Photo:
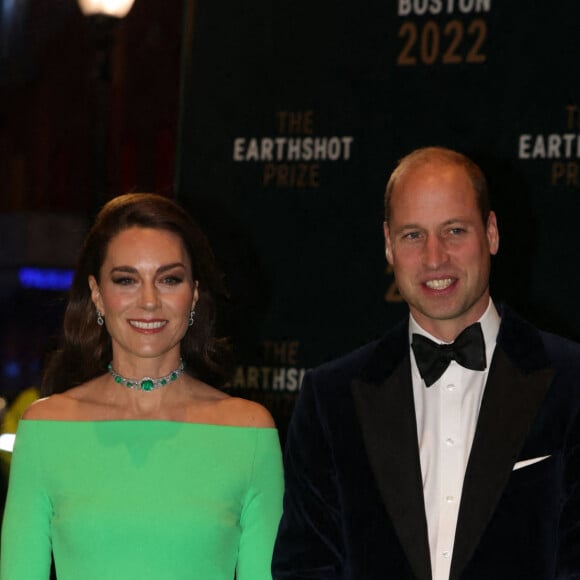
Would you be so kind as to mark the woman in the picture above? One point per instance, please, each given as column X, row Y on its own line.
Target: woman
column 136, row 468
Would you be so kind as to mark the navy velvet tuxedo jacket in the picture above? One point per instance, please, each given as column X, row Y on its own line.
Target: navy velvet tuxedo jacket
column 354, row 509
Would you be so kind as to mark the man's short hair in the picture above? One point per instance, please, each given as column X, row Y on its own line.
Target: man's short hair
column 426, row 155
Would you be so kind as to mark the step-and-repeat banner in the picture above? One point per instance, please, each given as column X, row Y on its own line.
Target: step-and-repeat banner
column 294, row 113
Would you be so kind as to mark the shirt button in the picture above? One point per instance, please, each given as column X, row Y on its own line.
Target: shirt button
column 449, row 499
column 449, row 442
column 445, row 554
column 450, row 388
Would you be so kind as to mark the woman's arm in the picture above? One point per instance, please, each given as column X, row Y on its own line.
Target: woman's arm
column 26, row 541
column 262, row 509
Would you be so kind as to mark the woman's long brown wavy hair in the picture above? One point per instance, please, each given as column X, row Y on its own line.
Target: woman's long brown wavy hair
column 86, row 347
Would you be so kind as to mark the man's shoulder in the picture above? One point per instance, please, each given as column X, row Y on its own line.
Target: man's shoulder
column 560, row 348
column 369, row 362
column 350, row 363
column 533, row 347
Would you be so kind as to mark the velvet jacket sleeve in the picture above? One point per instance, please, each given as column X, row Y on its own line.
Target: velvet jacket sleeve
column 26, row 540
column 564, row 412
column 309, row 543
column 262, row 509
column 569, row 553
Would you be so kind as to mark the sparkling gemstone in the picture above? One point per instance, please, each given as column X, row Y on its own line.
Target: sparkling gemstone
column 174, row 375
column 163, row 382
column 146, row 384
column 118, row 380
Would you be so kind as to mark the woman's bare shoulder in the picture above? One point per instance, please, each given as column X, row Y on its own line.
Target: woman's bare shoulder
column 245, row 413
column 58, row 407
column 52, row 408
column 211, row 405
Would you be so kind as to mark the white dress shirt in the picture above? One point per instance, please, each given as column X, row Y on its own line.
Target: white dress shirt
column 446, row 415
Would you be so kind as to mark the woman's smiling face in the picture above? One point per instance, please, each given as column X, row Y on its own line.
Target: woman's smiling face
column 145, row 293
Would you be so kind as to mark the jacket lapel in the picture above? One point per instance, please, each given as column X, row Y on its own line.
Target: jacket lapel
column 517, row 384
column 386, row 413
column 518, row 380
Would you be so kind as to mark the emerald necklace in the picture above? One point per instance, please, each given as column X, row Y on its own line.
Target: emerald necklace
column 147, row 383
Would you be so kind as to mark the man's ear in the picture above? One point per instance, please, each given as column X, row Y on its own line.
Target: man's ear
column 492, row 233
column 388, row 245
column 96, row 294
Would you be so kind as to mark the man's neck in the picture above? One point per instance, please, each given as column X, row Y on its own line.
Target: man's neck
column 448, row 330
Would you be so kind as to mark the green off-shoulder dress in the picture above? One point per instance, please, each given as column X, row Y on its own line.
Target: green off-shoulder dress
column 141, row 500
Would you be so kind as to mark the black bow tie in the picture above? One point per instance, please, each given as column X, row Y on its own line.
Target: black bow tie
column 433, row 359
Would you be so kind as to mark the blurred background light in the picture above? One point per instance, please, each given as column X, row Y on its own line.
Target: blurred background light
column 7, row 442
column 116, row 8
column 45, row 278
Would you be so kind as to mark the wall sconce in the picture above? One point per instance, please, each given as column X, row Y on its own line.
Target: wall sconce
column 115, row 8
column 103, row 18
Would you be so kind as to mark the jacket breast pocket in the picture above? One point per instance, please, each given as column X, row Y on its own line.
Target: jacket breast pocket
column 544, row 471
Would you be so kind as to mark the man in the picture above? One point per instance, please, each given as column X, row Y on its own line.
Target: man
column 409, row 460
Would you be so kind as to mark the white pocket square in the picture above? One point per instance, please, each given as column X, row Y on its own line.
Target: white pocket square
column 527, row 462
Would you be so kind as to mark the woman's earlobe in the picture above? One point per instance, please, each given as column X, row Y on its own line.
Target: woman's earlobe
column 95, row 293
column 195, row 294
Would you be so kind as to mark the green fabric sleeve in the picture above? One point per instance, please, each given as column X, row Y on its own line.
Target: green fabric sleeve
column 262, row 509
column 26, row 543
